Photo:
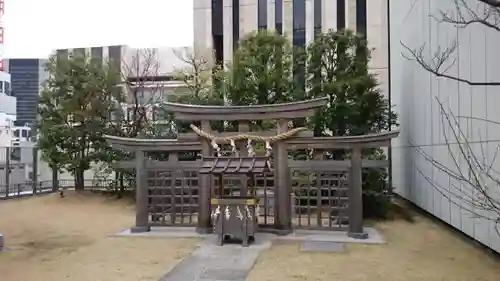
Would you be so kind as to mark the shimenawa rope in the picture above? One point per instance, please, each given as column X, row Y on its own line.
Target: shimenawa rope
column 271, row 139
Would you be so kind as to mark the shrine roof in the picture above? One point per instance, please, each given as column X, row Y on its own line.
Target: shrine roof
column 234, row 165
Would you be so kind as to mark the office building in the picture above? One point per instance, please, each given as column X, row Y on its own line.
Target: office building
column 7, row 101
column 219, row 24
column 27, row 76
column 150, row 72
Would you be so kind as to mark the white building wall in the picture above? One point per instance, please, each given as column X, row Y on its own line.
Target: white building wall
column 7, row 102
column 328, row 15
column 309, row 21
column 271, row 10
column 7, row 111
column 228, row 30
column 154, row 61
column 350, row 6
column 288, row 19
column 8, row 105
column 416, row 93
column 202, row 17
column 248, row 17
column 377, row 36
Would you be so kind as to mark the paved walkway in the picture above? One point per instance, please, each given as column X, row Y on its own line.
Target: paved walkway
column 232, row 262
column 210, row 262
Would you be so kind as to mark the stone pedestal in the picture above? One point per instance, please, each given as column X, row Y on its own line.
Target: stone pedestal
column 235, row 218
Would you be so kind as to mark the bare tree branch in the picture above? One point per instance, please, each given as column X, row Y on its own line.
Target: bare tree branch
column 478, row 189
column 141, row 91
column 465, row 15
column 486, row 13
column 197, row 74
column 474, row 182
column 493, row 3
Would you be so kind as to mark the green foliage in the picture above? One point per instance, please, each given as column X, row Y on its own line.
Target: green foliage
column 376, row 191
column 337, row 68
column 74, row 109
column 79, row 95
column 267, row 70
column 261, row 72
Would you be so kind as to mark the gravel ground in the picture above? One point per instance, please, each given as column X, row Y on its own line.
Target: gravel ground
column 423, row 251
column 49, row 238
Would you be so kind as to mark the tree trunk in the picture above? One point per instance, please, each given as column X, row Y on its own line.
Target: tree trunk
column 79, row 182
column 121, row 186
column 55, row 179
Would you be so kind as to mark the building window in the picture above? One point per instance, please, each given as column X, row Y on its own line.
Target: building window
column 115, row 56
column 236, row 23
column 7, row 88
column 96, row 54
column 219, row 49
column 317, row 16
column 218, row 30
column 361, row 17
column 278, row 16
column 299, row 41
column 299, row 23
column 15, row 154
column 340, row 14
column 25, row 85
column 262, row 14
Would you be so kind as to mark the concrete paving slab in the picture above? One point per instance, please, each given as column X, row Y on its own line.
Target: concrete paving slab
column 224, row 274
column 322, row 246
column 169, row 231
column 374, row 237
column 232, row 262
column 262, row 240
column 211, row 262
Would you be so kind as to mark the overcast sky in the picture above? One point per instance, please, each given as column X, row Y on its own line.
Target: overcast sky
column 35, row 27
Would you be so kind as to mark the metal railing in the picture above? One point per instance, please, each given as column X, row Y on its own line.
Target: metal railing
column 22, row 173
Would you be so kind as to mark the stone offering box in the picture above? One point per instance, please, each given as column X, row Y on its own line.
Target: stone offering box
column 235, row 216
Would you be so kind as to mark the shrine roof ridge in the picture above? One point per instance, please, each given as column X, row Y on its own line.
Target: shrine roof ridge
column 297, row 109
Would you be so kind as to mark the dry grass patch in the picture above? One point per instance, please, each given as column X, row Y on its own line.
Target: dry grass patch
column 49, row 238
column 422, row 251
